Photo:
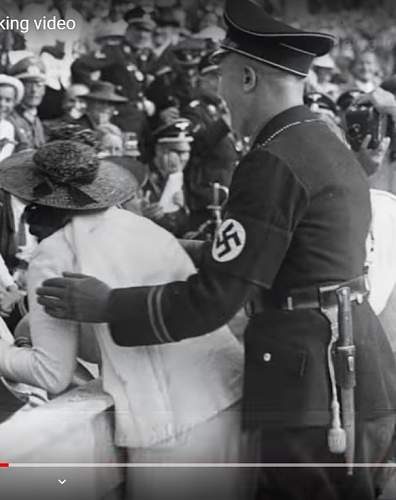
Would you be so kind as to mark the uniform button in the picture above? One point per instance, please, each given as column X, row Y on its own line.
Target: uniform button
column 267, row 357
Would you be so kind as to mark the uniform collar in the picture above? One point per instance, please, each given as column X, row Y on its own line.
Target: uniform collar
column 283, row 119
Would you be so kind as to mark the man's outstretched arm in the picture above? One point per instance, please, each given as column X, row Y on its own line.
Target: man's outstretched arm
column 148, row 315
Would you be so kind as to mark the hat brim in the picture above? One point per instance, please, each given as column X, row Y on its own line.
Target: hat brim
column 105, row 98
column 29, row 76
column 112, row 185
column 218, row 55
column 134, row 167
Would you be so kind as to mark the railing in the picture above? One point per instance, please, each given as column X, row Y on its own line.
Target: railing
column 75, row 428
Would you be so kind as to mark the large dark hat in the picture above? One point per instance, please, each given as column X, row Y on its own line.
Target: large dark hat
column 68, row 175
column 253, row 33
column 105, row 91
column 136, row 168
column 141, row 17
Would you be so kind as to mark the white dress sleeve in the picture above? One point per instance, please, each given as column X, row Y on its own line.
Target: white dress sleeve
column 51, row 362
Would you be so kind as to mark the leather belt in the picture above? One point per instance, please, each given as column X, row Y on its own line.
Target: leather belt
column 314, row 297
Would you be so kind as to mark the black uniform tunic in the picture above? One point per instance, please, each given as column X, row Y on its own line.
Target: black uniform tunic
column 298, row 215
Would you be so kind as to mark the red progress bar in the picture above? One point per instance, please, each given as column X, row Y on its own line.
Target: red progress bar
column 4, row 464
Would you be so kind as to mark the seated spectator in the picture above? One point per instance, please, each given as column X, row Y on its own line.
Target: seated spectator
column 74, row 106
column 102, row 103
column 28, row 127
column 164, row 200
column 11, row 94
column 111, row 141
column 325, row 70
column 366, row 73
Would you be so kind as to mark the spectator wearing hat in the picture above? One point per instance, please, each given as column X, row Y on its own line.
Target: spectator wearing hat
column 28, row 127
column 164, row 191
column 101, row 105
column 171, row 404
column 175, row 83
column 325, row 70
column 213, row 154
column 11, row 94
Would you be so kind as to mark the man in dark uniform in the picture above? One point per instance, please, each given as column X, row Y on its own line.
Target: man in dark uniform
column 297, row 220
column 164, row 191
column 123, row 61
column 214, row 155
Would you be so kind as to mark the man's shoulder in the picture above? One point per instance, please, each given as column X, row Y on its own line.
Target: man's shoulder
column 262, row 164
column 317, row 156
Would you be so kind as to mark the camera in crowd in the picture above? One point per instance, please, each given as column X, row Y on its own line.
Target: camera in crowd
column 363, row 120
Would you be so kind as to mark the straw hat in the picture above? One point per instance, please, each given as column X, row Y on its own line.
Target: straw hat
column 68, row 175
column 13, row 82
column 139, row 170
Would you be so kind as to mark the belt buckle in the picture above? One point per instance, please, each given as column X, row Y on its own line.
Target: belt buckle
column 327, row 296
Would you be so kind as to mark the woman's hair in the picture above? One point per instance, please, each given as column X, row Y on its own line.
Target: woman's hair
column 43, row 221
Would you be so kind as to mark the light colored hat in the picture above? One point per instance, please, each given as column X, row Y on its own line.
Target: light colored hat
column 13, row 82
column 325, row 61
column 29, row 68
column 68, row 175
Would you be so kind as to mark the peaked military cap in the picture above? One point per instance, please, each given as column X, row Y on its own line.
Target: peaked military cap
column 348, row 98
column 207, row 65
column 178, row 131
column 141, row 17
column 253, row 33
column 318, row 102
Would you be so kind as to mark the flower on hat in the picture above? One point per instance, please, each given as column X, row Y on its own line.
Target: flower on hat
column 67, row 162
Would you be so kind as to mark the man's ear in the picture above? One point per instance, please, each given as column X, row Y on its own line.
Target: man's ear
column 249, row 79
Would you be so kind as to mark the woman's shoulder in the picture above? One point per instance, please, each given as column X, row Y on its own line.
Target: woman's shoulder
column 54, row 249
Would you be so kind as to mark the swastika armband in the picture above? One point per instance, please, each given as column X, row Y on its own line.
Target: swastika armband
column 229, row 242
column 250, row 249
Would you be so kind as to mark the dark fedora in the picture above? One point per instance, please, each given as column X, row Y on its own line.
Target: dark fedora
column 106, row 92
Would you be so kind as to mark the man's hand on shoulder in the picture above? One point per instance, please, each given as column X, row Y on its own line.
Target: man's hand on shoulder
column 75, row 297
